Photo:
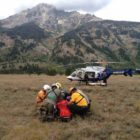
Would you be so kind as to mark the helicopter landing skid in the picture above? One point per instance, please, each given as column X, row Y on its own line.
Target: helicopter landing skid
column 98, row 84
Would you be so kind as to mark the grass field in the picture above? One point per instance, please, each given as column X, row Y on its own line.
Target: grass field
column 115, row 110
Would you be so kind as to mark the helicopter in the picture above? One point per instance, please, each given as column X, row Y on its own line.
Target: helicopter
column 98, row 75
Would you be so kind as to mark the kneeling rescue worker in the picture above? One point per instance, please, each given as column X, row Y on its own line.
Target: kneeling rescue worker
column 61, row 93
column 79, row 103
column 57, row 88
column 41, row 95
column 49, row 105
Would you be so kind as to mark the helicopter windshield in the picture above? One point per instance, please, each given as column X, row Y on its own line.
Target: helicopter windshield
column 73, row 74
column 79, row 74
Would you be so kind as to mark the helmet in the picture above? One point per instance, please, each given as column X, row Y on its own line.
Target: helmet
column 71, row 89
column 58, row 85
column 47, row 88
column 54, row 85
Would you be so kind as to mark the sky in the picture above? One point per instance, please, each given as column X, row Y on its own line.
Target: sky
column 126, row 10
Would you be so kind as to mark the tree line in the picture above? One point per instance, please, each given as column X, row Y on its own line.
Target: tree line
column 34, row 69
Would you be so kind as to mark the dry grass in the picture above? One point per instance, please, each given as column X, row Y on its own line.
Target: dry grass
column 115, row 110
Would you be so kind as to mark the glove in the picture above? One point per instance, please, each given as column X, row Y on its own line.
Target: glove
column 68, row 98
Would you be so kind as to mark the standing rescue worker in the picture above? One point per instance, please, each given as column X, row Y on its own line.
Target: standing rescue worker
column 86, row 78
column 79, row 102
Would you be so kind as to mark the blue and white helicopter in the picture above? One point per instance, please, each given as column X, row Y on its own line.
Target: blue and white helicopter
column 98, row 75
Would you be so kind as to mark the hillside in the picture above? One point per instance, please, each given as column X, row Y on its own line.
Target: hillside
column 100, row 40
column 45, row 34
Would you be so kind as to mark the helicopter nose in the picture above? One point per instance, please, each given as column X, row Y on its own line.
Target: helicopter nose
column 69, row 77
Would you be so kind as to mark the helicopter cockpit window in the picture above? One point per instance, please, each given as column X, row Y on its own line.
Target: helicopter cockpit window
column 79, row 74
column 73, row 74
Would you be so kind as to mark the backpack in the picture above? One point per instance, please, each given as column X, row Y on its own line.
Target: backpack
column 64, row 113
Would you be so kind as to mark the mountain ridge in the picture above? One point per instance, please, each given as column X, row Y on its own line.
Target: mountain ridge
column 48, row 17
column 45, row 34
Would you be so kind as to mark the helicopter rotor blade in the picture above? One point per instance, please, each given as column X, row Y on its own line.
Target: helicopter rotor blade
column 96, row 62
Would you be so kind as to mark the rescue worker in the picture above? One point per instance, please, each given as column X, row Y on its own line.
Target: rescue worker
column 104, row 75
column 41, row 95
column 86, row 78
column 57, row 85
column 63, row 113
column 79, row 103
column 48, row 107
column 60, row 93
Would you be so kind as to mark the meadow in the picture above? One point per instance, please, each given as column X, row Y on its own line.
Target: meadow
column 115, row 110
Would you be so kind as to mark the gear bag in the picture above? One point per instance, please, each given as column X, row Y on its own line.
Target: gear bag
column 63, row 111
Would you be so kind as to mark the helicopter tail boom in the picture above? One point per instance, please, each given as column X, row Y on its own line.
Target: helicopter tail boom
column 126, row 72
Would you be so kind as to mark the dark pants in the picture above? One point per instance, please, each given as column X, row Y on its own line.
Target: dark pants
column 47, row 112
column 80, row 110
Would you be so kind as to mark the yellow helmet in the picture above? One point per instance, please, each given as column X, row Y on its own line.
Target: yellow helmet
column 58, row 85
column 71, row 89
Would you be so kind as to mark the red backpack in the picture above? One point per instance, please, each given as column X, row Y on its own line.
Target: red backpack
column 64, row 112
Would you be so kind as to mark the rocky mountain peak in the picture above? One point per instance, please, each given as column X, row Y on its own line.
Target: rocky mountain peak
column 48, row 17
column 44, row 5
column 43, row 8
